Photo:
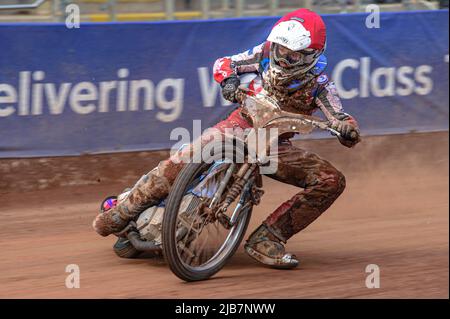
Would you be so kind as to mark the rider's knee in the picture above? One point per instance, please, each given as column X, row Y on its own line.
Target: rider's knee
column 336, row 182
column 341, row 182
column 331, row 180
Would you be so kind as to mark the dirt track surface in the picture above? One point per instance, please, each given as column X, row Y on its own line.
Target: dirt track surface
column 394, row 213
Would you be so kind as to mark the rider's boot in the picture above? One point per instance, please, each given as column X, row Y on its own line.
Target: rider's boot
column 265, row 246
column 148, row 191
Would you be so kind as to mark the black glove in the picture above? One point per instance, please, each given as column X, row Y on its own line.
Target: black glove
column 229, row 88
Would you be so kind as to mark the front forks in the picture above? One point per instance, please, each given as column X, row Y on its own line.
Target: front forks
column 244, row 185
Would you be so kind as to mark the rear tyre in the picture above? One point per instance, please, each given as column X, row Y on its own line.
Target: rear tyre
column 124, row 249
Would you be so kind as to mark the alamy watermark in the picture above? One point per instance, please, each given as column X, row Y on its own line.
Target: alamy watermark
column 73, row 16
column 73, row 279
column 373, row 279
column 373, row 19
column 240, row 145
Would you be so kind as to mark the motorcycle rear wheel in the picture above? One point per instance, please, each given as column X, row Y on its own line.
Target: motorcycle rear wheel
column 124, row 249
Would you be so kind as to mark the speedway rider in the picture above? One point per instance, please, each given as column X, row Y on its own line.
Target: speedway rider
column 290, row 66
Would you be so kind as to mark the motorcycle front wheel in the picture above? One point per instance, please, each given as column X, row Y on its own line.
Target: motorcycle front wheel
column 194, row 247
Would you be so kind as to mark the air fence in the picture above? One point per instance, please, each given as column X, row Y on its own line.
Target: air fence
column 114, row 87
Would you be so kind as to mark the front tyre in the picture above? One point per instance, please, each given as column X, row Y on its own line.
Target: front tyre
column 185, row 262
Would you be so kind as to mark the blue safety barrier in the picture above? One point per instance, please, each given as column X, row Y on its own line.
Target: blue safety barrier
column 125, row 86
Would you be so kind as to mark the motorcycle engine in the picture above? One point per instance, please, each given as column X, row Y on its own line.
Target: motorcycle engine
column 149, row 224
column 150, row 221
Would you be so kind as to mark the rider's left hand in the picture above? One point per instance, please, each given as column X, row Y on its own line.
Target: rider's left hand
column 350, row 134
column 229, row 88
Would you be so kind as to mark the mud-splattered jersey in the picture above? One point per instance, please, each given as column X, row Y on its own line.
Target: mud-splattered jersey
column 317, row 92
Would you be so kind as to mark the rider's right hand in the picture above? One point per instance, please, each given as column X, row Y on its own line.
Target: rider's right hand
column 229, row 88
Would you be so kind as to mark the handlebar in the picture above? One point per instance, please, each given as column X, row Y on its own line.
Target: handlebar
column 333, row 131
column 242, row 93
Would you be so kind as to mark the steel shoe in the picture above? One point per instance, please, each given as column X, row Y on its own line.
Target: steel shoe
column 264, row 246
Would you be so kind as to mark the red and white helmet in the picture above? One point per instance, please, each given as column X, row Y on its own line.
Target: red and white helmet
column 296, row 43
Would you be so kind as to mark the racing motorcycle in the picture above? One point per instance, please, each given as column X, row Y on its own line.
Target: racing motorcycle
column 202, row 222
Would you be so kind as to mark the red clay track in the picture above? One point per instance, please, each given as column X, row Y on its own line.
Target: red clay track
column 394, row 213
